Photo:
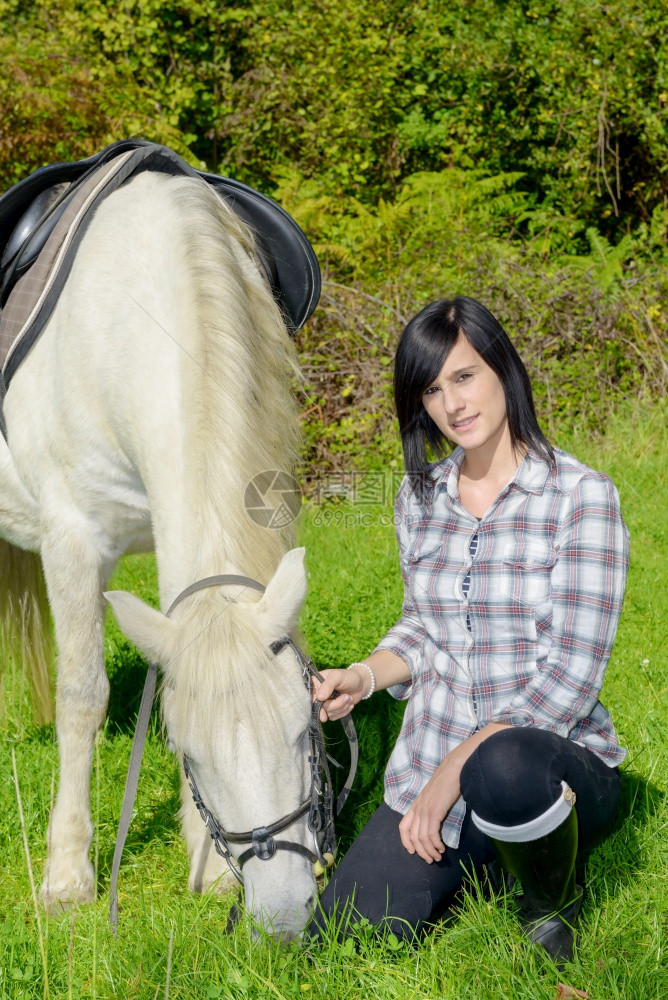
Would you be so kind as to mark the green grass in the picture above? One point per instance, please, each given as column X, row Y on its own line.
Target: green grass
column 171, row 943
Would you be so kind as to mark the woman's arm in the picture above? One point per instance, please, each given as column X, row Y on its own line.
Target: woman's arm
column 587, row 589
column 420, row 829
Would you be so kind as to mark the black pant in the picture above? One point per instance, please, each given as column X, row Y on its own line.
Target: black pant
column 511, row 778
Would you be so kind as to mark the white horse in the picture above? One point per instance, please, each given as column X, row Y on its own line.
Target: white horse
column 159, row 389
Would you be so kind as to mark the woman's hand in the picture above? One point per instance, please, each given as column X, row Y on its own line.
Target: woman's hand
column 379, row 670
column 349, row 685
column 420, row 829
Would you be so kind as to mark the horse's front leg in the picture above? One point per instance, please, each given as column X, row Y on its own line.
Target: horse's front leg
column 75, row 573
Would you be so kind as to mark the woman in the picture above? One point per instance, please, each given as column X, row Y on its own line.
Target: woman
column 514, row 558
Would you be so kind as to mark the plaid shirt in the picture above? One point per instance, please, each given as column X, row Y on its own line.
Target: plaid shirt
column 528, row 640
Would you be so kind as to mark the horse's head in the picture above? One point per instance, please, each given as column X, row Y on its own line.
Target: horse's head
column 238, row 712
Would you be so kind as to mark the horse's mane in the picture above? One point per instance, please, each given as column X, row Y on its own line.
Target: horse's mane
column 242, row 420
column 239, row 395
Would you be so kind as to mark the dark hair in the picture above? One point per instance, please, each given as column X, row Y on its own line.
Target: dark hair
column 423, row 347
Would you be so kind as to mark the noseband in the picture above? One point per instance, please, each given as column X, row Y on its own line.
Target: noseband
column 320, row 805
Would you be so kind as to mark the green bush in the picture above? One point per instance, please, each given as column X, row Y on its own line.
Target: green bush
column 513, row 152
column 590, row 327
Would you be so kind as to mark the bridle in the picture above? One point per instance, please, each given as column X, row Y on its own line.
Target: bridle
column 319, row 806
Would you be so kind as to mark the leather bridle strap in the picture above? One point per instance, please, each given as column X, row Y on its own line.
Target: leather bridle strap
column 261, row 838
column 130, row 791
column 321, row 818
column 139, row 739
column 351, row 734
column 222, row 579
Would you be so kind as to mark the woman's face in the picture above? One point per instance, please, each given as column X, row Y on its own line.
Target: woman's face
column 466, row 401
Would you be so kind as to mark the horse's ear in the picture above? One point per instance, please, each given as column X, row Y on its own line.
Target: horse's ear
column 286, row 591
column 150, row 630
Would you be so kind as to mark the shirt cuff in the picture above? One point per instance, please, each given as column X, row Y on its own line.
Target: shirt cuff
column 408, row 648
column 514, row 717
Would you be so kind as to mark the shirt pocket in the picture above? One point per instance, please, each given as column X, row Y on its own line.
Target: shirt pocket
column 424, row 566
column 424, row 548
column 527, row 573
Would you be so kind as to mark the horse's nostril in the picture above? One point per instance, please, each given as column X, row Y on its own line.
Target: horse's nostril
column 232, row 919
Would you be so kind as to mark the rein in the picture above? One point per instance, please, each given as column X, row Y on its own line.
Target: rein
column 319, row 806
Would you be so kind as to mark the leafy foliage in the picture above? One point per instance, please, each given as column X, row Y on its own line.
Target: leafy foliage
column 511, row 151
column 572, row 94
column 589, row 326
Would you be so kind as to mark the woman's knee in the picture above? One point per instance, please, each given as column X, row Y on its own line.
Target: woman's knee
column 513, row 775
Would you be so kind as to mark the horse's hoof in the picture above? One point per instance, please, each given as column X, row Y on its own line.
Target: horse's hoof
column 59, row 900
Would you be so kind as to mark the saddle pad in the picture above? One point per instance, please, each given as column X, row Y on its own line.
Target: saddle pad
column 34, row 296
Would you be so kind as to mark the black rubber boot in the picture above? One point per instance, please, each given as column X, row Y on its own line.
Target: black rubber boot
column 551, row 900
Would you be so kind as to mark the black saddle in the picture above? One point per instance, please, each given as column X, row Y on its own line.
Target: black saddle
column 30, row 210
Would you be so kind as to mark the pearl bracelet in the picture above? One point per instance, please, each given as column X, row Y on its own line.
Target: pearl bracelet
column 371, row 675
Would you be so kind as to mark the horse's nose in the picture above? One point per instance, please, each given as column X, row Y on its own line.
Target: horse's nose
column 285, row 930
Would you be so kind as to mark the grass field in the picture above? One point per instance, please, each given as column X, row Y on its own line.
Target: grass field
column 173, row 944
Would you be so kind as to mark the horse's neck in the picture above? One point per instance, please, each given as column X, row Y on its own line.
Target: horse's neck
column 202, row 524
column 200, row 537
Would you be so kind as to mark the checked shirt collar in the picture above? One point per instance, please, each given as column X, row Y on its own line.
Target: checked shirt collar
column 531, row 475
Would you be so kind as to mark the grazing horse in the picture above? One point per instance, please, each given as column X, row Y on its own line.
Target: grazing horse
column 159, row 388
